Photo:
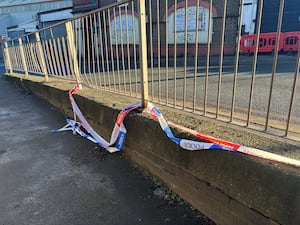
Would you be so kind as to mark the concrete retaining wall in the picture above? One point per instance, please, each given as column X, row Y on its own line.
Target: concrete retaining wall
column 230, row 188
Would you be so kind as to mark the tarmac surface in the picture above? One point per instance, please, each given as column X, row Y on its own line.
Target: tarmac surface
column 59, row 178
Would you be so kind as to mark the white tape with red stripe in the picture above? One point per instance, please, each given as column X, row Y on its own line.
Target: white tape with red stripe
column 83, row 128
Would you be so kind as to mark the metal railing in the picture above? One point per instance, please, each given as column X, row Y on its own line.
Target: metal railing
column 186, row 52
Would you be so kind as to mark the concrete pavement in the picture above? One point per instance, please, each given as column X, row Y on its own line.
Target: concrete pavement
column 48, row 178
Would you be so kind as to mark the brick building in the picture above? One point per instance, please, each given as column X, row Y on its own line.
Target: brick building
column 158, row 12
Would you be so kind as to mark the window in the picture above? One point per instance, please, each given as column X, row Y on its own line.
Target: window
column 272, row 41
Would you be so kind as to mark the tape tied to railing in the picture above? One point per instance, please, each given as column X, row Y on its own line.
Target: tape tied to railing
column 83, row 128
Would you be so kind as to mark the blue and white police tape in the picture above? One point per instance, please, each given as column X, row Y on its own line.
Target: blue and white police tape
column 183, row 143
column 84, row 129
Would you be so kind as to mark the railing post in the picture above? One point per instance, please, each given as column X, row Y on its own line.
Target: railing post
column 143, row 53
column 72, row 49
column 23, row 57
column 7, row 58
column 41, row 54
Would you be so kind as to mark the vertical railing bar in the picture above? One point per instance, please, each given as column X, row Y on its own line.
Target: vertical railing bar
column 175, row 54
column 167, row 55
column 111, row 53
column 49, row 58
column 151, row 48
column 86, row 60
column 207, row 57
column 84, row 33
column 33, row 56
column 72, row 50
column 99, row 37
column 237, row 56
column 88, row 36
column 293, row 93
column 196, row 57
column 27, row 58
column 117, row 50
column 56, row 56
column 8, row 58
column 158, row 50
column 11, row 52
column 134, row 50
column 92, row 33
column 76, row 69
column 53, row 57
column 61, row 57
column 106, row 51
column 185, row 52
column 78, row 50
column 41, row 55
column 25, row 68
column 16, row 57
column 79, row 44
column 13, row 55
column 122, row 49
column 128, row 50
column 25, row 53
column 275, row 60
column 95, row 49
column 255, row 60
column 85, row 49
column 21, row 66
column 221, row 58
column 65, row 56
column 97, row 28
column 143, row 54
column 37, row 67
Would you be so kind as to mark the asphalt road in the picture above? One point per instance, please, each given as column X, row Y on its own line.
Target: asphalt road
column 48, row 178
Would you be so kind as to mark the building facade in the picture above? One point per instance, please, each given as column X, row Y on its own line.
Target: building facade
column 20, row 16
column 159, row 14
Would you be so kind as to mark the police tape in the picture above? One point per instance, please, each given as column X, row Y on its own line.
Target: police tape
column 183, row 143
column 240, row 148
column 83, row 128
